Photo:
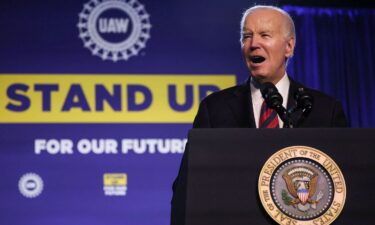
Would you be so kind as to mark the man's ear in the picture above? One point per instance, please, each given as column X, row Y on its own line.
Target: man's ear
column 289, row 48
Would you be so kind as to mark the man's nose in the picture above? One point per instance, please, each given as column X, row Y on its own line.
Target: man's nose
column 255, row 43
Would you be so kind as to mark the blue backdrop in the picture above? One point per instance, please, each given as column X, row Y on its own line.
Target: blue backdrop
column 335, row 53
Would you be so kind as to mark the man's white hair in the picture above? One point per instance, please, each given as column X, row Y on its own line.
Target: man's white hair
column 290, row 31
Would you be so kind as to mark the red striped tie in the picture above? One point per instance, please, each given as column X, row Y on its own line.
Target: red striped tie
column 268, row 117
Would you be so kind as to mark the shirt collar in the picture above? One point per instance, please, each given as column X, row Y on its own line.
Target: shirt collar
column 282, row 86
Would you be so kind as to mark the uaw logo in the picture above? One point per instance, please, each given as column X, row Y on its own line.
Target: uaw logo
column 30, row 185
column 301, row 185
column 115, row 184
column 114, row 29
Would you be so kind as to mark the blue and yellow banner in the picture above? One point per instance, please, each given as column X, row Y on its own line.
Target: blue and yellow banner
column 93, row 98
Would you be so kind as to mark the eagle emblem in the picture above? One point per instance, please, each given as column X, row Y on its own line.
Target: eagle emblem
column 301, row 183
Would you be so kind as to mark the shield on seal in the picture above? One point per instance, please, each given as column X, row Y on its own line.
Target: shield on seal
column 303, row 195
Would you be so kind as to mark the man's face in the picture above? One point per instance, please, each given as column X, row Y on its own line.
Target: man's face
column 265, row 45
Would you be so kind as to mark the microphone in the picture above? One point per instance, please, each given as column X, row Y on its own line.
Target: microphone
column 271, row 95
column 304, row 99
column 274, row 100
column 304, row 102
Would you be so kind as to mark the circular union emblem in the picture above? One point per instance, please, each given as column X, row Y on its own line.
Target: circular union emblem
column 30, row 185
column 114, row 29
column 301, row 185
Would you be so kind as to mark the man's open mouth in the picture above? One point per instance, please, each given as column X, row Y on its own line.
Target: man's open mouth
column 257, row 59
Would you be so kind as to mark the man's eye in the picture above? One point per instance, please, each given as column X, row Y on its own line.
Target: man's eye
column 247, row 36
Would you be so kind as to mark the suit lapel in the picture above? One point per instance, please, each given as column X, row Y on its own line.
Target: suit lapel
column 291, row 102
column 242, row 107
column 292, row 89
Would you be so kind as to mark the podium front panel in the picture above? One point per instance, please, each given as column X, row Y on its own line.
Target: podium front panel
column 224, row 167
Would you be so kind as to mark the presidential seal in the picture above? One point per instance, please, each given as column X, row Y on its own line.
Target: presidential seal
column 114, row 29
column 301, row 185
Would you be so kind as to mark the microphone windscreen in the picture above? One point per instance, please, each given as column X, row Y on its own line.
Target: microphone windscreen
column 267, row 88
column 304, row 99
column 271, row 95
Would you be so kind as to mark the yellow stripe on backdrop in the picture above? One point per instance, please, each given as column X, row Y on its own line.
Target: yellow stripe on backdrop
column 101, row 98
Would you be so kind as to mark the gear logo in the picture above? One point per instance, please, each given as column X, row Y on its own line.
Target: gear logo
column 114, row 29
column 30, row 185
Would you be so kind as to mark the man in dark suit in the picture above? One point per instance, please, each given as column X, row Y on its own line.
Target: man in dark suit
column 268, row 40
column 233, row 107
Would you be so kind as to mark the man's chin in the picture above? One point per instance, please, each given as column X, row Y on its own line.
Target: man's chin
column 260, row 78
column 263, row 78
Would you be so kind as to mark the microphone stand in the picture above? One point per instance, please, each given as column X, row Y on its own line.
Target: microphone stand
column 284, row 116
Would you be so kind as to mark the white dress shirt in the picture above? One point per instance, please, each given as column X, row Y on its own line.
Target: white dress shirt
column 257, row 99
